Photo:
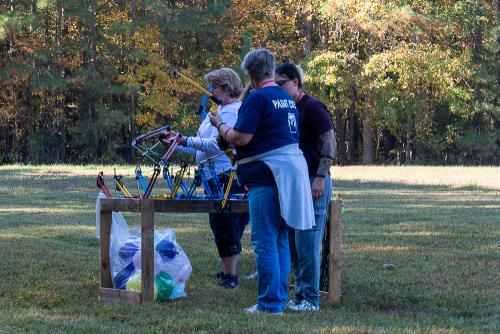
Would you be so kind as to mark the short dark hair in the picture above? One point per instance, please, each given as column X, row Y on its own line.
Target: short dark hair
column 290, row 71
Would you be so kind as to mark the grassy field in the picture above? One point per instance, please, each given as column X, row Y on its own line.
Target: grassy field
column 439, row 227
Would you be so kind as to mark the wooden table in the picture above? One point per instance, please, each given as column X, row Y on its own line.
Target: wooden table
column 148, row 207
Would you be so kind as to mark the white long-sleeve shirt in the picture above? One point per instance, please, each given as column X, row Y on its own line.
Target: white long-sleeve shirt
column 205, row 145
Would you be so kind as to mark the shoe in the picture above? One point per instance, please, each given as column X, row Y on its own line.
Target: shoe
column 218, row 276
column 229, row 282
column 292, row 303
column 255, row 310
column 252, row 276
column 304, row 306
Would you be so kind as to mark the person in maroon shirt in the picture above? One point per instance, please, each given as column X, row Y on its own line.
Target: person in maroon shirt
column 317, row 141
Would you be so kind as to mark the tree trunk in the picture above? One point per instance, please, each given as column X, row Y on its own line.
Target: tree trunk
column 92, row 116
column 307, row 25
column 61, row 97
column 389, row 142
column 133, row 94
column 477, row 45
column 408, row 148
column 9, row 142
column 477, row 35
column 340, row 130
column 46, row 26
column 30, row 100
column 32, row 12
column 368, row 137
column 353, row 130
column 11, row 32
column 339, row 121
column 30, row 106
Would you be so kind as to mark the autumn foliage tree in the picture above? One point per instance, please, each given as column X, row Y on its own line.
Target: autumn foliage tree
column 405, row 81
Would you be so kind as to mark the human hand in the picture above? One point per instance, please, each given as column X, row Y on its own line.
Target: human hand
column 166, row 138
column 182, row 139
column 214, row 119
column 169, row 138
column 318, row 187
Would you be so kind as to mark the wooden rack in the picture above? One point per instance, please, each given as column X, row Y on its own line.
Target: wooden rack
column 148, row 207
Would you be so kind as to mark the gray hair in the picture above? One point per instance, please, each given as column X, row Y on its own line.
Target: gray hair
column 226, row 78
column 259, row 64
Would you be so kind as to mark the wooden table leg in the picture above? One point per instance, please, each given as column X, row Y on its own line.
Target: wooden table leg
column 334, row 265
column 147, row 250
column 105, row 230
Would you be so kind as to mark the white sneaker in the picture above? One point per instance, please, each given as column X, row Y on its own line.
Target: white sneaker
column 304, row 306
column 292, row 303
column 255, row 310
column 252, row 276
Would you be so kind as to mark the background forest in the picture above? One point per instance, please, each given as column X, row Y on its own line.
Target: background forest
column 405, row 81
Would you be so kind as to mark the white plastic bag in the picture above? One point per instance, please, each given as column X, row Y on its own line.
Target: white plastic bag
column 171, row 265
column 119, row 226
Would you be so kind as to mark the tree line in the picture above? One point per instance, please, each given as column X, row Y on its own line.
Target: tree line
column 405, row 81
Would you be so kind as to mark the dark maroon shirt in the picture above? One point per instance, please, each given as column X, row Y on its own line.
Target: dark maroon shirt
column 314, row 119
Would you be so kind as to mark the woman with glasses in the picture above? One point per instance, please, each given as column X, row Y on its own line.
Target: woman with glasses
column 270, row 163
column 228, row 228
column 317, row 141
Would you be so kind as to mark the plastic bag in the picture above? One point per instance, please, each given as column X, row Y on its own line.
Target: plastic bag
column 171, row 265
column 119, row 226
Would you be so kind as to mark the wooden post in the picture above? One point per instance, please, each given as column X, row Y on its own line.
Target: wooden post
column 334, row 265
column 147, row 251
column 105, row 230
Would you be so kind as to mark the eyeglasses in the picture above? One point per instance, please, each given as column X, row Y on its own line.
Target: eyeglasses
column 282, row 82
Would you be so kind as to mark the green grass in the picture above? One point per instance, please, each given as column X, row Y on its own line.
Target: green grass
column 439, row 227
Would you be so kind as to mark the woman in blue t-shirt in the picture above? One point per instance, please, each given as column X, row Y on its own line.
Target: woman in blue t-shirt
column 270, row 163
column 317, row 141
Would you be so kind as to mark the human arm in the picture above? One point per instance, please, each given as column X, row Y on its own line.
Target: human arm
column 169, row 139
column 207, row 139
column 185, row 149
column 207, row 145
column 229, row 134
column 328, row 150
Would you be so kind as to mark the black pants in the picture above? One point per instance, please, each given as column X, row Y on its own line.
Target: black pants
column 228, row 228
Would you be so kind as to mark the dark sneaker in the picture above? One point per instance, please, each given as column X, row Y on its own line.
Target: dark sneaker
column 218, row 276
column 229, row 282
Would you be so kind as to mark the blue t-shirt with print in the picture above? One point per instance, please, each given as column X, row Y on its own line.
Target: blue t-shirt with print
column 270, row 114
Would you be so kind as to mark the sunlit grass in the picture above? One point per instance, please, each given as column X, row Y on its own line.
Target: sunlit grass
column 437, row 226
column 425, row 175
column 379, row 249
column 469, row 177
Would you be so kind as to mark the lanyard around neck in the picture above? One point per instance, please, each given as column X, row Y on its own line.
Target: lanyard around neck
column 264, row 83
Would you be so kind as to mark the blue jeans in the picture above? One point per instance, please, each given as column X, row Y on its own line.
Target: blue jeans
column 270, row 244
column 305, row 248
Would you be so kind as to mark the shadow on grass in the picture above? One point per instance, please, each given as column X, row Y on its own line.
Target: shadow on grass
column 431, row 234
